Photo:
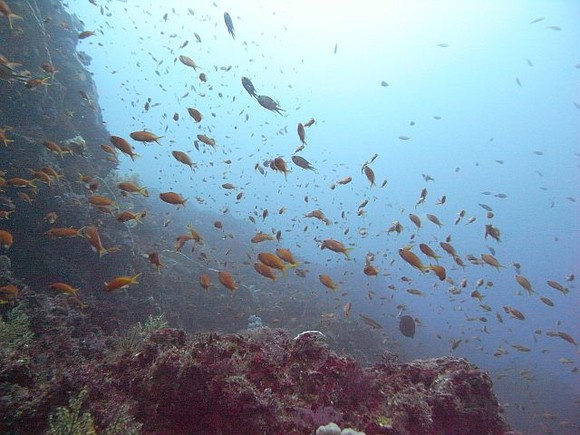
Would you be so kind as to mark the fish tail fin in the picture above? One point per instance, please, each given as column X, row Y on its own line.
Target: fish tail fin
column 134, row 278
column 11, row 17
column 346, row 252
column 143, row 191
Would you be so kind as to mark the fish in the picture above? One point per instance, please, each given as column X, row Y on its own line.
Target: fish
column 270, row 104
column 425, row 249
column 567, row 337
column 206, row 140
column 145, row 136
column 227, row 281
column 195, row 114
column 7, row 12
column 286, row 255
column 173, row 198
column 370, row 270
column 124, row 146
column 491, row 260
column 86, row 34
column 344, row 180
column 514, row 313
column 229, row 25
column 412, row 259
column 121, row 282
column 280, row 165
column 57, row 233
column 303, row 163
column 63, row 288
column 407, row 326
column 249, row 87
column 273, row 261
column 155, row 260
column 261, row 237
column 327, row 281
column 91, row 233
column 415, row 219
column 102, row 201
column 493, row 232
column 371, row 322
column 439, row 271
column 301, row 133
column 523, row 281
column 188, row 61
column 336, row 246
column 318, row 214
column 310, row 122
column 182, row 157
column 130, row 187
column 6, row 239
column 557, row 286
column 205, row 281
column 370, row 174
column 434, row 219
column 265, row 271
column 127, row 215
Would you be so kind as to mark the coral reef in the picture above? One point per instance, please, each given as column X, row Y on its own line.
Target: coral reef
column 258, row 381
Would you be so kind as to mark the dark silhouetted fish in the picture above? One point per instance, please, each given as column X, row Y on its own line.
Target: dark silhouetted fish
column 229, row 24
column 407, row 326
column 248, row 86
column 269, row 104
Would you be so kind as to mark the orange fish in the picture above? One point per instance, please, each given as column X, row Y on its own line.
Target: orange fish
column 415, row 219
column 280, row 165
column 54, row 147
column 5, row 214
column 63, row 288
column 7, row 12
column 145, row 136
column 523, row 281
column 491, row 260
column 3, row 137
column 121, row 282
column 264, row 270
column 195, row 114
column 273, row 261
column 86, row 34
column 129, row 187
column 286, row 255
column 126, row 216
column 173, row 198
column 370, row 270
column 227, row 281
column 57, row 233
column 206, row 140
column 327, row 282
column 439, row 271
column 124, row 146
column 8, row 293
column 102, row 201
column 412, row 259
column 425, row 249
column 261, row 237
column 92, row 235
column 335, row 246
column 181, row 157
column 6, row 239
column 205, row 281
column 448, row 248
column 344, row 180
column 154, row 259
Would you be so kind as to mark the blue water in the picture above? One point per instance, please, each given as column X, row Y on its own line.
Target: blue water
column 486, row 100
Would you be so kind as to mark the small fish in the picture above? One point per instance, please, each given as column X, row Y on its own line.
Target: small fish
column 371, row 322
column 124, row 146
column 121, row 282
column 154, row 259
column 173, row 198
column 303, row 163
column 270, row 104
column 412, row 259
column 273, row 261
column 229, row 25
column 335, row 246
column 195, row 114
column 187, row 61
column 227, row 281
column 523, row 281
column 182, row 157
column 144, row 136
column 407, row 326
column 327, row 282
column 63, row 288
column 265, row 271
column 205, row 281
column 7, row 12
column 249, row 87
